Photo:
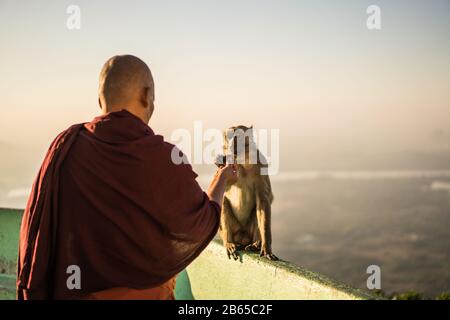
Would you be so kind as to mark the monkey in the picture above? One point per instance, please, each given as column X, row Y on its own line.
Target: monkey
column 245, row 221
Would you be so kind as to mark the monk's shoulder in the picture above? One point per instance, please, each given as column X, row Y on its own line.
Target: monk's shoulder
column 65, row 134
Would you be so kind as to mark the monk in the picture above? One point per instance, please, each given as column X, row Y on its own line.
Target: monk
column 110, row 215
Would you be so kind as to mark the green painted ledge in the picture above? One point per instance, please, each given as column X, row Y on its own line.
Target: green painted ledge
column 9, row 239
column 211, row 276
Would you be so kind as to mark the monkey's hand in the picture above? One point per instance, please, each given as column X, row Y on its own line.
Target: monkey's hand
column 221, row 161
column 267, row 252
column 231, row 250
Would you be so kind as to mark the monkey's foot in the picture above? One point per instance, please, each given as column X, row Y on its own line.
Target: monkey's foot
column 271, row 256
column 231, row 250
column 255, row 246
column 268, row 254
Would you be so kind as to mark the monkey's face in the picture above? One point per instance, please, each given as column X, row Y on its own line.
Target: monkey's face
column 238, row 141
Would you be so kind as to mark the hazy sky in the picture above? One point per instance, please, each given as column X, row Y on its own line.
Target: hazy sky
column 312, row 69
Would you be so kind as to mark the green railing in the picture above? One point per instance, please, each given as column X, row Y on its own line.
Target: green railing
column 211, row 276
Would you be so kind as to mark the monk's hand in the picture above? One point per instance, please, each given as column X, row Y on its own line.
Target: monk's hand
column 230, row 173
column 223, row 177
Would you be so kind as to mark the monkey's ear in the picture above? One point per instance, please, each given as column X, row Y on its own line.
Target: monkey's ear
column 229, row 133
column 251, row 127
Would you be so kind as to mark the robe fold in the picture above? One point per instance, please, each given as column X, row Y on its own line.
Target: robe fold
column 109, row 200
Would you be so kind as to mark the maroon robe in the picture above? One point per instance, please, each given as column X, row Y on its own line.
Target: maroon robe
column 109, row 199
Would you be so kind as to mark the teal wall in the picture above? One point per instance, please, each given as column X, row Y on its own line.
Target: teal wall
column 9, row 239
column 211, row 276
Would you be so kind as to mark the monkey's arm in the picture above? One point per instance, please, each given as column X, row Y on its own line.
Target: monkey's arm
column 264, row 199
column 228, row 226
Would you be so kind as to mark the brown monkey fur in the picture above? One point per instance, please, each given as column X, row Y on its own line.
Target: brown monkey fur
column 245, row 221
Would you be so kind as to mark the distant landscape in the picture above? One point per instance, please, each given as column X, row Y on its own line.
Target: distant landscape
column 340, row 225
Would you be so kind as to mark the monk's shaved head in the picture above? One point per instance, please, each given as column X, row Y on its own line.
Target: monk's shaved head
column 126, row 82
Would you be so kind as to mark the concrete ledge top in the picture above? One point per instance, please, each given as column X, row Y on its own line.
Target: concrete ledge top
column 213, row 276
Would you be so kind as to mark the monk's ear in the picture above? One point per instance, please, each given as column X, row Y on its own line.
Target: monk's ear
column 145, row 97
column 100, row 103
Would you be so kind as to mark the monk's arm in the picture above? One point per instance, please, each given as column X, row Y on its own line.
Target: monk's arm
column 223, row 176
